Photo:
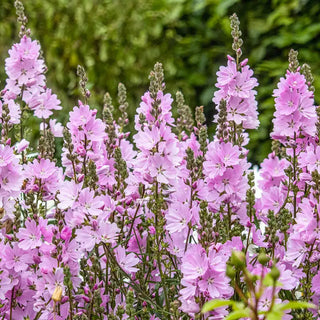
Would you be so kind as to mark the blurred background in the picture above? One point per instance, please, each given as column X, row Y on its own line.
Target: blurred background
column 120, row 41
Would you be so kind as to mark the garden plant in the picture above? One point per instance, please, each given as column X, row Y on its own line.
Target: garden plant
column 164, row 222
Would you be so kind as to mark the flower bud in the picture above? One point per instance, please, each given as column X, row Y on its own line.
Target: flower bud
column 274, row 273
column 263, row 258
column 57, row 293
column 230, row 272
column 238, row 259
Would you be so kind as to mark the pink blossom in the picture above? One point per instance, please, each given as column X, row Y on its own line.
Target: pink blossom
column 194, row 263
column 30, row 236
column 126, row 261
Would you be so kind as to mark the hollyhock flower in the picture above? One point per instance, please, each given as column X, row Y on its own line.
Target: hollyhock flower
column 88, row 203
column 178, row 217
column 147, row 139
column 138, row 243
column 89, row 237
column 22, row 145
column 216, row 284
column 266, row 299
column 272, row 172
column 146, row 108
column 176, row 242
column 10, row 180
column 43, row 103
column 316, row 284
column 5, row 284
column 287, row 278
column 189, row 289
column 296, row 250
column 8, row 206
column 273, row 199
column 16, row 258
column 189, row 306
column 108, row 232
column 227, row 74
column 161, row 168
column 218, row 157
column 229, row 182
column 69, row 192
column 305, row 220
column 6, row 155
column 194, row 263
column 257, row 237
column 71, row 253
column 295, row 111
column 54, row 279
column 242, row 84
column 79, row 116
column 66, row 233
column 126, row 261
column 30, row 236
column 310, row 158
column 23, row 66
column 236, row 88
column 56, row 128
column 43, row 169
column 106, row 173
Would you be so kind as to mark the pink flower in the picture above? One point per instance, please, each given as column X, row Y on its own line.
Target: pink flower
column 311, row 158
column 6, row 155
column 43, row 103
column 216, row 284
column 227, row 74
column 43, row 169
column 69, row 192
column 30, row 236
column 24, row 66
column 5, row 284
column 295, row 111
column 88, row 203
column 22, row 145
column 236, row 88
column 178, row 217
column 296, row 251
column 219, row 157
column 126, row 261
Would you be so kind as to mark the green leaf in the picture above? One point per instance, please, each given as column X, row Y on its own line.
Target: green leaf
column 298, row 305
column 238, row 306
column 213, row 304
column 238, row 314
column 275, row 315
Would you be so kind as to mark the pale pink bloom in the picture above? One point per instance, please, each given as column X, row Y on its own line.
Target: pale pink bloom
column 194, row 263
column 22, row 145
column 16, row 258
column 30, row 236
column 126, row 261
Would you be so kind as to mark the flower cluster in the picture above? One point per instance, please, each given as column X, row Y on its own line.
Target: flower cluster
column 155, row 224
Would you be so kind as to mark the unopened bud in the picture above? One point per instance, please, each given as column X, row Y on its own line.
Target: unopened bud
column 263, row 258
column 238, row 259
column 57, row 293
column 230, row 272
column 275, row 273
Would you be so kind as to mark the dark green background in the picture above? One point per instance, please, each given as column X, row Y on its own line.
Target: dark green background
column 120, row 40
